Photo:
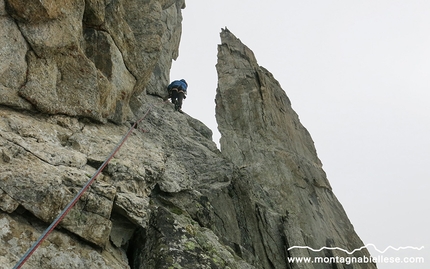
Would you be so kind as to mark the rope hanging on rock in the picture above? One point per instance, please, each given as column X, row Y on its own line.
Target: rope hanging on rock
column 75, row 200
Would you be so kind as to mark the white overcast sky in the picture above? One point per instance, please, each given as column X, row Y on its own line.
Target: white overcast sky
column 358, row 75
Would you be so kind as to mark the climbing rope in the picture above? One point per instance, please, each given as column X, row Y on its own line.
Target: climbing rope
column 75, row 200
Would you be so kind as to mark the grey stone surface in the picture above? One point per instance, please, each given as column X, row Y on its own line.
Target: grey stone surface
column 291, row 197
column 89, row 58
column 73, row 75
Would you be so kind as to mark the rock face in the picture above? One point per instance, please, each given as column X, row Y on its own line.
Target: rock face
column 291, row 196
column 71, row 75
column 85, row 58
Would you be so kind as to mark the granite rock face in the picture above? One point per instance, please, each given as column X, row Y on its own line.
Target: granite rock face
column 291, row 197
column 72, row 75
column 145, row 206
column 86, row 58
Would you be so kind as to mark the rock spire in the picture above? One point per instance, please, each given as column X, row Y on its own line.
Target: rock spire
column 263, row 136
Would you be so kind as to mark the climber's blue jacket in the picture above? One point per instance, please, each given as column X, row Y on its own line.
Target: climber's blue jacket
column 179, row 84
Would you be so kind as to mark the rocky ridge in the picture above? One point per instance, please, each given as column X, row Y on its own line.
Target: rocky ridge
column 73, row 75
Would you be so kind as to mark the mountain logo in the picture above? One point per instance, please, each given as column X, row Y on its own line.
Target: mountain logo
column 358, row 249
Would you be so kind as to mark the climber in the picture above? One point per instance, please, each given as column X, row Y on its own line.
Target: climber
column 177, row 91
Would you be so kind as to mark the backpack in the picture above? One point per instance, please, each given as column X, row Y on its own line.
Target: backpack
column 179, row 84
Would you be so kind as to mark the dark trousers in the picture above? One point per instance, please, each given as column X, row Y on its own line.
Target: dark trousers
column 177, row 97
